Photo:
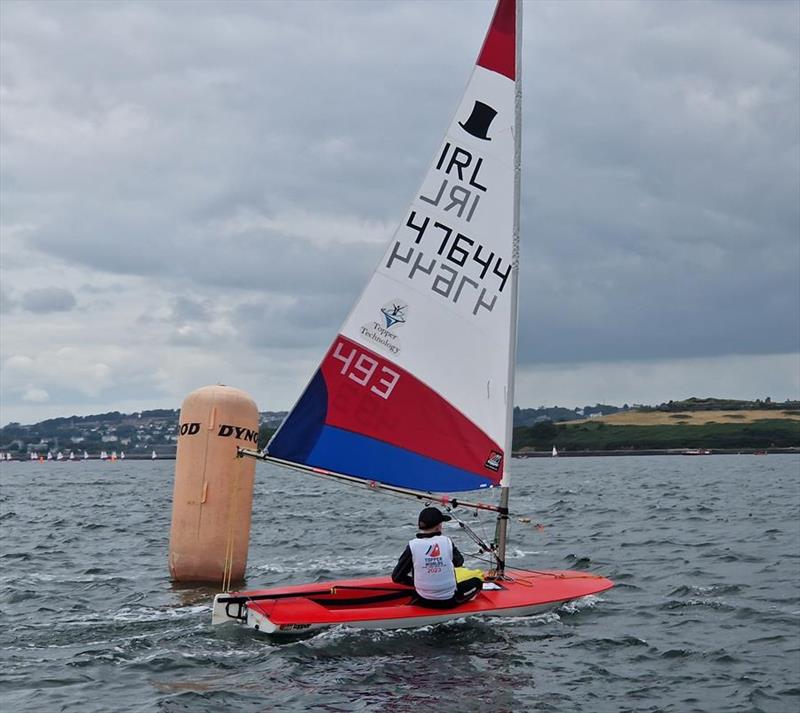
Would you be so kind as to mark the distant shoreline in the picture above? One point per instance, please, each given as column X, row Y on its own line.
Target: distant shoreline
column 657, row 452
column 519, row 455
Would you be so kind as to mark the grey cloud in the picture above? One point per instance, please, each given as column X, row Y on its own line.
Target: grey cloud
column 305, row 322
column 132, row 385
column 191, row 319
column 48, row 299
column 660, row 211
column 7, row 302
column 186, row 309
column 663, row 168
column 191, row 336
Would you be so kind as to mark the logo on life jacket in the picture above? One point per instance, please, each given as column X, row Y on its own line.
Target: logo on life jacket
column 434, row 551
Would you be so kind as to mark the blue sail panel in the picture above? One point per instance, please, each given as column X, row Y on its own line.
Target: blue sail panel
column 364, row 457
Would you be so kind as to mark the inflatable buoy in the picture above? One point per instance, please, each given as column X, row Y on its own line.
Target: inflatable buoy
column 213, row 494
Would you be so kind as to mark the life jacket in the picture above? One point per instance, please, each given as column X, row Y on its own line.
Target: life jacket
column 434, row 574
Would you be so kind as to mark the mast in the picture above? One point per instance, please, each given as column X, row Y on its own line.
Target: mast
column 501, row 530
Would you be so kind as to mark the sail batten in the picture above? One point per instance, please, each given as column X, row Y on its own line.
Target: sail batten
column 417, row 387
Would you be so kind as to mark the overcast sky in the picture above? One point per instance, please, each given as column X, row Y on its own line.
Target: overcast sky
column 195, row 193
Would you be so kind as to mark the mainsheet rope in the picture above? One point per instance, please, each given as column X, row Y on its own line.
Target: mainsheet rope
column 485, row 547
column 233, row 491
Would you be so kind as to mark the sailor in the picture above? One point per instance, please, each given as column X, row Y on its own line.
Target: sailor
column 428, row 563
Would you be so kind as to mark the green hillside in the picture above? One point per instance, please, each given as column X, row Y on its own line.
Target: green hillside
column 599, row 436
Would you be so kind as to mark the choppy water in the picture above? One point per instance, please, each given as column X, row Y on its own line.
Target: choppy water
column 705, row 615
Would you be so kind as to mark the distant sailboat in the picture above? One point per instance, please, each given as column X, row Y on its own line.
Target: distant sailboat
column 85, row 456
column 59, row 456
column 71, row 455
column 34, row 456
column 103, row 455
column 555, row 452
column 153, row 455
column 49, row 455
column 122, row 455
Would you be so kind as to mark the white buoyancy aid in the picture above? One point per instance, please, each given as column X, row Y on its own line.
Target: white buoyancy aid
column 434, row 574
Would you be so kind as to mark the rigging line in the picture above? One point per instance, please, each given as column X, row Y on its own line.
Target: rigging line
column 558, row 575
column 485, row 530
column 477, row 556
column 401, row 496
column 233, row 492
column 485, row 547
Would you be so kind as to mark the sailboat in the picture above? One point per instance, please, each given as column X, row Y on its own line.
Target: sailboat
column 414, row 397
column 85, row 456
column 153, row 455
column 555, row 452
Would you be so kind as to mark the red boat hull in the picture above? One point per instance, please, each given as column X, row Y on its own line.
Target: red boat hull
column 379, row 603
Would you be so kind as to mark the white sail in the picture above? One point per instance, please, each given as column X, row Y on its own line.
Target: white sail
column 417, row 388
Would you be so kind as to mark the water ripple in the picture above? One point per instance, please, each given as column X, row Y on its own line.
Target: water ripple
column 704, row 616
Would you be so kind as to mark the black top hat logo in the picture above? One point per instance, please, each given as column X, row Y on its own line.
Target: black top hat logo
column 480, row 119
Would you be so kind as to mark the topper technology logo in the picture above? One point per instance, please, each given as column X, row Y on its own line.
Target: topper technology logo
column 434, row 551
column 394, row 313
column 382, row 333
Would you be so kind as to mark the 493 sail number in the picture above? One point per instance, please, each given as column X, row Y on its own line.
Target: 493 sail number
column 365, row 370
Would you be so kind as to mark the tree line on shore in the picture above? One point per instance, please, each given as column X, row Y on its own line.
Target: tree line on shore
column 535, row 428
column 767, row 433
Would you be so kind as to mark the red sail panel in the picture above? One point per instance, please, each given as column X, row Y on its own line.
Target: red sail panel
column 499, row 52
column 370, row 395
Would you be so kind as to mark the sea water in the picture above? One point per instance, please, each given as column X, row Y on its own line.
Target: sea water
column 705, row 553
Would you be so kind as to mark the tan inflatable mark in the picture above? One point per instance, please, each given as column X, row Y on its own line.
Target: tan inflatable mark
column 213, row 494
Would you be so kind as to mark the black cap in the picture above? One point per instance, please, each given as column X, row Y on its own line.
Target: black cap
column 431, row 517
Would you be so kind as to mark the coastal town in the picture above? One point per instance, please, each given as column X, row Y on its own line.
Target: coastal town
column 691, row 426
column 144, row 434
